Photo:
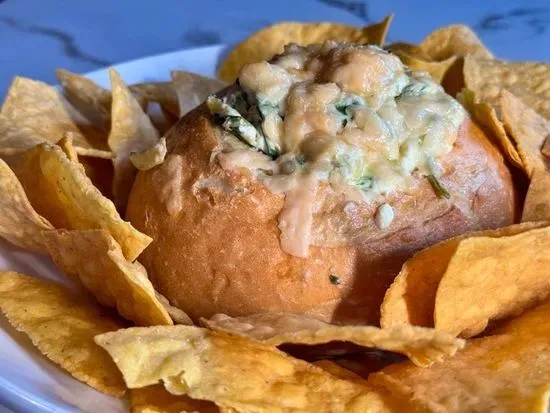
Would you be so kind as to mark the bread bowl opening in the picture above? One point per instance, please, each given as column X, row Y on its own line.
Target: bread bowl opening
column 346, row 115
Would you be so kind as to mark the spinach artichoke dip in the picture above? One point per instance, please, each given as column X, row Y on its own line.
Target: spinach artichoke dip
column 351, row 116
column 305, row 186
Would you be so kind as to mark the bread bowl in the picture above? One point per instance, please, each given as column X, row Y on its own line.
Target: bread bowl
column 305, row 186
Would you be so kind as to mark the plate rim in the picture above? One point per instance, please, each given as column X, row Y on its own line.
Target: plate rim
column 213, row 48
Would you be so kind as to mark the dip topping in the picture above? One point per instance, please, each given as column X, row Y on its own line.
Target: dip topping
column 352, row 116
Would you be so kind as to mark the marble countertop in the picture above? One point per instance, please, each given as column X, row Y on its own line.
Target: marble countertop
column 36, row 37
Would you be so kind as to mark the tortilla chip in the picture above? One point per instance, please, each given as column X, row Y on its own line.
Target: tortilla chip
column 537, row 202
column 19, row 222
column 150, row 157
column 162, row 119
column 411, row 297
column 376, row 33
column 62, row 325
column 505, row 372
column 408, row 49
column 366, row 363
column 233, row 372
column 422, row 345
column 193, row 89
column 33, row 112
column 528, row 129
column 268, row 42
column 454, row 40
column 162, row 93
column 100, row 172
column 491, row 278
column 131, row 131
column 527, row 80
column 90, row 99
column 61, row 192
column 437, row 70
column 66, row 145
column 156, row 399
column 177, row 315
column 337, row 370
column 453, row 79
column 527, row 324
column 447, row 72
column 95, row 258
column 486, row 116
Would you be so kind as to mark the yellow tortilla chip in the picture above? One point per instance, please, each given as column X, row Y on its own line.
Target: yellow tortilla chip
column 62, row 325
column 454, row 40
column 527, row 324
column 337, row 370
column 61, row 192
column 437, row 70
column 453, row 79
column 156, row 399
column 131, row 131
column 268, row 42
column 90, row 99
column 527, row 80
column 486, row 116
column 150, row 157
column 505, row 372
column 537, row 202
column 101, row 172
column 411, row 297
column 66, row 145
column 368, row 362
column 447, row 72
column 528, row 129
column 233, row 372
column 33, row 112
column 193, row 89
column 491, row 278
column 95, row 258
column 19, row 222
column 422, row 345
column 376, row 33
column 407, row 49
column 165, row 122
column 162, row 93
column 177, row 315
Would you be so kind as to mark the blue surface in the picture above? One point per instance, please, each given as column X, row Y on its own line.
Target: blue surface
column 37, row 36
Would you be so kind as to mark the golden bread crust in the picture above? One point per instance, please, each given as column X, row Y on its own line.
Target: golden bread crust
column 216, row 238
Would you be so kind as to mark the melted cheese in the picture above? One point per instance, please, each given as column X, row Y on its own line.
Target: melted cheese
column 349, row 115
column 307, row 112
column 296, row 217
column 363, row 71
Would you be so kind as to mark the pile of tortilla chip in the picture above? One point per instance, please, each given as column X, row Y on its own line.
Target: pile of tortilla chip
column 464, row 327
column 113, row 132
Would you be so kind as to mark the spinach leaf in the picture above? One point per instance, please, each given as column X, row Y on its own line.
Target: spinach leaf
column 439, row 189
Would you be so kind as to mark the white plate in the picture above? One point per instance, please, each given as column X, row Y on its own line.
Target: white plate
column 28, row 381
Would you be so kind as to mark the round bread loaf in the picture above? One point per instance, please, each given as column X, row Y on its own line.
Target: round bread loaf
column 216, row 240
